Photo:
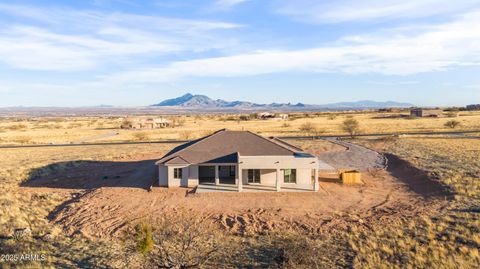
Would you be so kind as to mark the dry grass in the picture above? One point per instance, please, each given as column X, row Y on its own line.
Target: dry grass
column 20, row 209
column 77, row 129
column 449, row 238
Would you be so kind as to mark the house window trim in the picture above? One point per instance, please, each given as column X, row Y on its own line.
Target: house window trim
column 177, row 173
column 293, row 172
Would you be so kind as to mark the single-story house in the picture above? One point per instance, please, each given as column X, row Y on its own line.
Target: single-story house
column 422, row 112
column 150, row 123
column 238, row 158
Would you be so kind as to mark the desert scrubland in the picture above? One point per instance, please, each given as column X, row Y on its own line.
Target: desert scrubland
column 91, row 206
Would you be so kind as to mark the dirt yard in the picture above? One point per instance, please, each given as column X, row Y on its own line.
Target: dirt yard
column 108, row 196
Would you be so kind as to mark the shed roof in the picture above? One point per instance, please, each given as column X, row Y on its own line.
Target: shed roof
column 224, row 146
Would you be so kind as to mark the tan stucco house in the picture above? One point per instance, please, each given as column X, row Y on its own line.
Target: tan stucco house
column 239, row 158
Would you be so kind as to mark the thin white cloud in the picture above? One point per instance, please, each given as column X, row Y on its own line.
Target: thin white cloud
column 70, row 40
column 352, row 10
column 439, row 48
column 229, row 3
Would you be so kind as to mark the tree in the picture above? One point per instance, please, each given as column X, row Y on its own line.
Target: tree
column 126, row 124
column 351, row 126
column 452, row 124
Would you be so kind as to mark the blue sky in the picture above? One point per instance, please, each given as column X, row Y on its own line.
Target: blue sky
column 133, row 53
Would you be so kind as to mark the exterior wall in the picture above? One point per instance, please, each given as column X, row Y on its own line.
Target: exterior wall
column 172, row 182
column 189, row 176
column 162, row 175
column 192, row 176
column 269, row 177
column 304, row 176
column 274, row 162
column 268, row 171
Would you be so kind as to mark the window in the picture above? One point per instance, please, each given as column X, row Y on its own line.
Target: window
column 177, row 173
column 290, row 175
column 232, row 170
column 253, row 175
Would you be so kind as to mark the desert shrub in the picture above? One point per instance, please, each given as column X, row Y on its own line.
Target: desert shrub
column 16, row 127
column 185, row 135
column 452, row 124
column 307, row 127
column 23, row 139
column 351, row 126
column 244, row 117
column 125, row 124
column 295, row 249
column 184, row 242
column 331, row 116
column 285, row 124
column 144, row 238
column 452, row 114
column 74, row 125
column 411, row 117
column 180, row 122
column 141, row 136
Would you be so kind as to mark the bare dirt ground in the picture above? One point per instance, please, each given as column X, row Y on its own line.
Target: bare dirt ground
column 106, row 197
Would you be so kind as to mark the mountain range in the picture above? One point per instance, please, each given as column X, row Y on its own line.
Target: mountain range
column 204, row 102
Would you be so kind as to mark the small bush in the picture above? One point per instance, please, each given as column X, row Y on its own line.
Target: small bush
column 142, row 136
column 185, row 135
column 452, row 124
column 16, row 127
column 144, row 238
column 331, row 116
column 307, row 127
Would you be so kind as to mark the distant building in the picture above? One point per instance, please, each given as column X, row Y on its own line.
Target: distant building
column 473, row 107
column 283, row 116
column 266, row 115
column 425, row 113
column 149, row 123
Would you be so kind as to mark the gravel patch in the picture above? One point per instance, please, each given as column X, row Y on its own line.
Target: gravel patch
column 354, row 157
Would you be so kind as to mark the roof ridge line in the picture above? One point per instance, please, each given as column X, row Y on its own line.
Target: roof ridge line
column 180, row 157
column 286, row 143
column 198, row 141
column 270, row 140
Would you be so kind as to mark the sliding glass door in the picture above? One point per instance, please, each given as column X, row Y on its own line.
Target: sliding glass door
column 253, row 175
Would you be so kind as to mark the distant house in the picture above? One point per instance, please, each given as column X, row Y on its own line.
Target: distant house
column 240, row 159
column 473, row 107
column 266, row 115
column 283, row 116
column 150, row 123
column 424, row 113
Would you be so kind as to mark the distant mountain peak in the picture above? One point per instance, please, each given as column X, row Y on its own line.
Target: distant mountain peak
column 197, row 101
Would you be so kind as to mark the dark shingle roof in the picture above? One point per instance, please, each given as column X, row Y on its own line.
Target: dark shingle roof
column 223, row 146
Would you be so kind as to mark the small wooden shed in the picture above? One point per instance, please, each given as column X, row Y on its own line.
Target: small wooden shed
column 351, row 177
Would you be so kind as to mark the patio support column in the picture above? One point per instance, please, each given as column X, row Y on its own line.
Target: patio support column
column 239, row 178
column 217, row 177
column 277, row 183
column 315, row 181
